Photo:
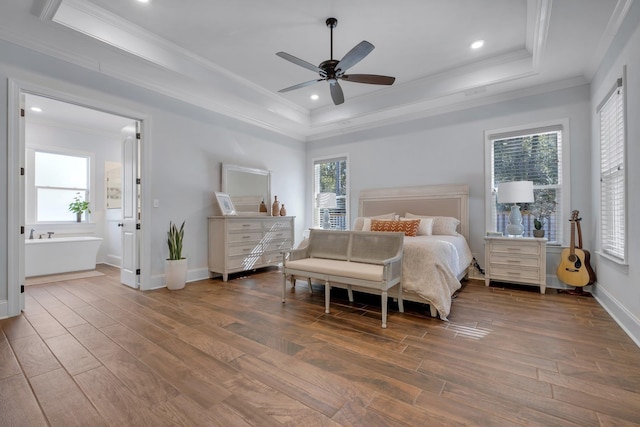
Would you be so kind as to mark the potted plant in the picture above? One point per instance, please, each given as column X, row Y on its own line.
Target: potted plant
column 79, row 206
column 175, row 272
column 544, row 207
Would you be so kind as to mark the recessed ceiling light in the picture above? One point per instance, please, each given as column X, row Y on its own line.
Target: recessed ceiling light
column 143, row 1
column 477, row 44
column 36, row 109
column 315, row 97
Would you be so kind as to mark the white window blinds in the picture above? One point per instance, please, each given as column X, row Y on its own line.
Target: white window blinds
column 612, row 174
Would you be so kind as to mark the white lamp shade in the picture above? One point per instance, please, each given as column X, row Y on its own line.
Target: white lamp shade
column 326, row 200
column 515, row 192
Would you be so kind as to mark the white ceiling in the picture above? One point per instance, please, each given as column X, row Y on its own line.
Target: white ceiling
column 221, row 54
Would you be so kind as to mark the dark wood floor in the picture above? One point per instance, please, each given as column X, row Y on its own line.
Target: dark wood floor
column 91, row 352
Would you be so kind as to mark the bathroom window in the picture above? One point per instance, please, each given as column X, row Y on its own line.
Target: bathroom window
column 56, row 180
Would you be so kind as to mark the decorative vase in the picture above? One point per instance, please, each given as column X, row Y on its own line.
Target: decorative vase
column 263, row 207
column 79, row 216
column 538, row 233
column 175, row 273
column 275, row 208
column 515, row 227
column 283, row 211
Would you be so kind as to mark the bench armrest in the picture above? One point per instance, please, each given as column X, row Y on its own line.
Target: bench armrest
column 392, row 267
column 294, row 254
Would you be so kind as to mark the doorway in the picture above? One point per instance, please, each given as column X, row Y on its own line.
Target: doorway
column 84, row 120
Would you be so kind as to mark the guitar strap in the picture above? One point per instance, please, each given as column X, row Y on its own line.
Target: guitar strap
column 579, row 234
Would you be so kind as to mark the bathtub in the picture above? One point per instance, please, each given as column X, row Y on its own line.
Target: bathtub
column 60, row 255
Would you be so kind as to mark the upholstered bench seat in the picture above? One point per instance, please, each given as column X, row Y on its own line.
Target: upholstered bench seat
column 369, row 262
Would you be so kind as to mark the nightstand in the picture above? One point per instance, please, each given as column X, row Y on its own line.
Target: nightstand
column 516, row 260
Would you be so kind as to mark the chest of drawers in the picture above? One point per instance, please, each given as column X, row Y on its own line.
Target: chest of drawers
column 516, row 260
column 241, row 243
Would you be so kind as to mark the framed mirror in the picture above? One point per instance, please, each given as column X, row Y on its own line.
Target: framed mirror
column 247, row 187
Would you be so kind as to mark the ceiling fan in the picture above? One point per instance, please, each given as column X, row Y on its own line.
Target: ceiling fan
column 333, row 70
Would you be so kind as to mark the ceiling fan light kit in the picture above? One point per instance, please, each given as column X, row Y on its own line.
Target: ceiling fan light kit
column 333, row 70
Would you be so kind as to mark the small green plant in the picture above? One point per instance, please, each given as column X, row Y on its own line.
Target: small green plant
column 175, row 236
column 79, row 205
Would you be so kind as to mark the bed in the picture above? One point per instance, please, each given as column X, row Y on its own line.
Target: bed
column 433, row 265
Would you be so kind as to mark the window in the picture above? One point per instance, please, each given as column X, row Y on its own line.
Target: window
column 534, row 154
column 56, row 179
column 612, row 174
column 330, row 176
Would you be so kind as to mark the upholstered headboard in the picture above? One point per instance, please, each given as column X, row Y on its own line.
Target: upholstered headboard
column 434, row 200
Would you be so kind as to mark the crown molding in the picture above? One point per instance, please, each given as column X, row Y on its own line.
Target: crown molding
column 163, row 67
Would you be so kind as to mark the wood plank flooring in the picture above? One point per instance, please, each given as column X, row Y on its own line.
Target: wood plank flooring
column 92, row 352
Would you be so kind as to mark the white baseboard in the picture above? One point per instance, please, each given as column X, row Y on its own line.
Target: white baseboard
column 623, row 317
column 157, row 281
column 4, row 309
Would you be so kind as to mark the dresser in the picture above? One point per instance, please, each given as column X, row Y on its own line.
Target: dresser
column 516, row 260
column 241, row 243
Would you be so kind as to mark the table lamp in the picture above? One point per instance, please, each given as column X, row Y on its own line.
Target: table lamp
column 515, row 192
column 326, row 201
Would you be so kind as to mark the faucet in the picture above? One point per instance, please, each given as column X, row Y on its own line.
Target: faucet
column 31, row 234
column 50, row 233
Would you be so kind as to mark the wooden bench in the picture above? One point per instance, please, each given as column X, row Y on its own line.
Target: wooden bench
column 366, row 261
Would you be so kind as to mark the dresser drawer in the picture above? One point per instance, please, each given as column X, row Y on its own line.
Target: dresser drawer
column 245, row 250
column 244, row 225
column 278, row 245
column 248, row 236
column 248, row 262
column 515, row 248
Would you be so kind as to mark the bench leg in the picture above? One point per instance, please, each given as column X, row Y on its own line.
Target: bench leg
column 350, row 293
column 309, row 282
column 284, row 285
column 384, row 309
column 327, row 296
column 400, row 300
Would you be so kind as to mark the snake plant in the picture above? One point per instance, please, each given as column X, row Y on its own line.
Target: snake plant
column 174, row 240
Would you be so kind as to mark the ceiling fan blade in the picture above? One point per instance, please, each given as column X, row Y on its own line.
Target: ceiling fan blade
column 336, row 93
column 299, row 85
column 372, row 79
column 302, row 63
column 354, row 56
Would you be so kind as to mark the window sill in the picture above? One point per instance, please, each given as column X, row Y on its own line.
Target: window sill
column 614, row 260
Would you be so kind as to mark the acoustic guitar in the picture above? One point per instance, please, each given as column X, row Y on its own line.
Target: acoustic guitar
column 575, row 268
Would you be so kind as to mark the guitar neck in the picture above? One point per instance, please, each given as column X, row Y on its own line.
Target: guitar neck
column 572, row 248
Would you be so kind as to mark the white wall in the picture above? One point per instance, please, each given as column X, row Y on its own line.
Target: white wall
column 618, row 288
column 449, row 148
column 187, row 146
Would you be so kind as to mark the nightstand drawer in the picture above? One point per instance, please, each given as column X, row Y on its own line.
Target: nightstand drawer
column 513, row 248
column 508, row 274
column 503, row 260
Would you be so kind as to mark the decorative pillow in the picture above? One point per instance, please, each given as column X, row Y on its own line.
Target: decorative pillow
column 408, row 227
column 442, row 225
column 426, row 225
column 361, row 222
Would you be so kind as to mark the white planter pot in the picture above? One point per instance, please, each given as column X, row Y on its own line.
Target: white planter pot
column 175, row 273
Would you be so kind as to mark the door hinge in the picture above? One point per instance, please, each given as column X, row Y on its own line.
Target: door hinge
column 22, row 289
column 138, row 136
column 138, row 181
column 137, row 272
column 22, row 112
column 21, row 171
column 137, row 226
column 22, row 229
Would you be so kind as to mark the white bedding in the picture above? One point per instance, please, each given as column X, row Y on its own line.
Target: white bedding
column 430, row 268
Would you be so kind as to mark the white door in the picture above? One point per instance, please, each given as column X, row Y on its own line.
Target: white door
column 130, row 271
